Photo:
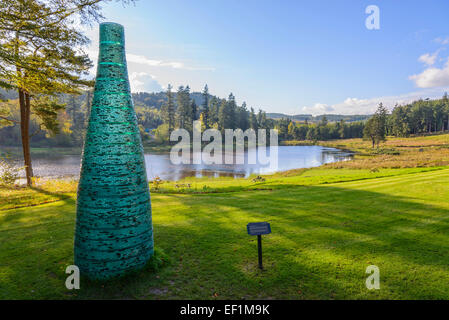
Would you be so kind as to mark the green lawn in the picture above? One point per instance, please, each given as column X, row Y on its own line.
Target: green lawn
column 324, row 236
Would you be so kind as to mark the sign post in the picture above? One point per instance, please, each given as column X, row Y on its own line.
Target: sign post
column 258, row 229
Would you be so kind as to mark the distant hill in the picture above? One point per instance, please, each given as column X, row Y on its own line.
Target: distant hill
column 297, row 117
column 157, row 99
column 311, row 118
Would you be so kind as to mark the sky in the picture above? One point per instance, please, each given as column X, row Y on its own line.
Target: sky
column 288, row 56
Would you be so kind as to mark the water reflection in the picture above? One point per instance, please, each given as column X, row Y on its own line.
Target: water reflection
column 289, row 157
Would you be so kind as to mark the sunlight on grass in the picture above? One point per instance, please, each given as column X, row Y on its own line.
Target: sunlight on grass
column 324, row 236
column 329, row 223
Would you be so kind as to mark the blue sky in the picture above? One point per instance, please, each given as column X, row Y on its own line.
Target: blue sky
column 288, row 56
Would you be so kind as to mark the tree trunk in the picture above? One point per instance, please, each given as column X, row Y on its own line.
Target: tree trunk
column 25, row 111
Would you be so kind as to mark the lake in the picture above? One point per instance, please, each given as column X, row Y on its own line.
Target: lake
column 159, row 164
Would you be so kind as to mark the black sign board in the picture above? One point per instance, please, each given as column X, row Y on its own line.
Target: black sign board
column 258, row 228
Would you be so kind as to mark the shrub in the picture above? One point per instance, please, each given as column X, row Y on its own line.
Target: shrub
column 8, row 172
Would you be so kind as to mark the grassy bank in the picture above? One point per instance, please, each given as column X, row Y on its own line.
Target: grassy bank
column 328, row 224
column 419, row 151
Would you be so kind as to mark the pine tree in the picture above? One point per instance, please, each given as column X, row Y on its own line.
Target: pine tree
column 381, row 114
column 40, row 58
column 243, row 117
column 231, row 112
column 213, row 111
column 375, row 127
column 446, row 108
column 259, row 118
column 224, row 116
column 253, row 120
column 180, row 107
column 193, row 110
column 184, row 110
column 205, row 111
column 168, row 110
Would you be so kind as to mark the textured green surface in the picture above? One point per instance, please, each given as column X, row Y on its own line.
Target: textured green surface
column 113, row 224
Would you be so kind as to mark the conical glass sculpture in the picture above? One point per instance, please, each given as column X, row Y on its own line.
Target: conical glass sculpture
column 114, row 231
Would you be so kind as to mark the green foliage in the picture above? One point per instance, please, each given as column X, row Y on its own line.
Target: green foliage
column 6, row 114
column 205, row 107
column 375, row 128
column 47, row 109
column 39, row 49
column 156, row 182
column 9, row 173
column 224, row 116
column 290, row 130
column 41, row 55
column 168, row 110
column 162, row 134
column 54, row 122
column 422, row 116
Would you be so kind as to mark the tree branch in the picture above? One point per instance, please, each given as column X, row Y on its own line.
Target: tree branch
column 11, row 120
column 37, row 131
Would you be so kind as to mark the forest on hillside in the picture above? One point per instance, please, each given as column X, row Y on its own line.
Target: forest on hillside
column 160, row 113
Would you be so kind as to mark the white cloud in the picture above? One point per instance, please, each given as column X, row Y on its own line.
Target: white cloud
column 432, row 77
column 139, row 59
column 351, row 106
column 317, row 108
column 153, row 63
column 160, row 63
column 442, row 40
column 429, row 59
column 144, row 82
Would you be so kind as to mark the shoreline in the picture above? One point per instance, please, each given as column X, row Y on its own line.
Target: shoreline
column 235, row 170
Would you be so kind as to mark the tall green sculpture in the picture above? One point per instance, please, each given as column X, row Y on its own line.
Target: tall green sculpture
column 114, row 231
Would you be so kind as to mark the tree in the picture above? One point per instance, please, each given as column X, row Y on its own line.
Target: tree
column 375, row 127
column 232, row 106
column 292, row 131
column 224, row 116
column 193, row 110
column 446, row 108
column 168, row 110
column 311, row 133
column 283, row 125
column 381, row 114
column 400, row 121
column 243, row 117
column 369, row 132
column 184, row 111
column 341, row 129
column 40, row 57
column 253, row 120
column 205, row 105
column 212, row 117
column 162, row 133
column 323, row 129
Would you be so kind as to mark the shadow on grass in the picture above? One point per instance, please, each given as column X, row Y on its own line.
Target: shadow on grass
column 323, row 239
column 27, row 197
